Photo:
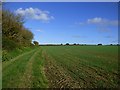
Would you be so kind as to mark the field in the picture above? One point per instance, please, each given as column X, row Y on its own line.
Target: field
column 63, row 67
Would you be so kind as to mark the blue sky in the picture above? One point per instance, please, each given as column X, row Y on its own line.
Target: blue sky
column 84, row 23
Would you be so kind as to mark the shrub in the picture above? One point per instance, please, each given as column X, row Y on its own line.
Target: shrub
column 8, row 44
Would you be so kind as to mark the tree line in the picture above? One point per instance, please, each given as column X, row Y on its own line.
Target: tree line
column 14, row 34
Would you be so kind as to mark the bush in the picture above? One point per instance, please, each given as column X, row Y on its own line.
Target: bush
column 8, row 44
column 5, row 56
column 14, row 33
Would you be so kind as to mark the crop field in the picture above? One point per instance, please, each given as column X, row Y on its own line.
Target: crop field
column 63, row 67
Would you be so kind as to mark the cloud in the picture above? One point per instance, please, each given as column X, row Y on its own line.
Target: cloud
column 78, row 36
column 115, row 41
column 102, row 21
column 95, row 20
column 98, row 21
column 79, row 23
column 35, row 13
column 108, row 36
column 39, row 30
column 103, row 29
column 102, row 25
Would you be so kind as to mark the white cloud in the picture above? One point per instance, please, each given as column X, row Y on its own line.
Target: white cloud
column 35, row 13
column 39, row 30
column 99, row 22
column 115, row 41
column 79, row 23
column 102, row 21
column 103, row 29
column 108, row 36
column 95, row 20
column 76, row 36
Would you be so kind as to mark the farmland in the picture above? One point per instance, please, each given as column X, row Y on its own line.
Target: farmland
column 63, row 67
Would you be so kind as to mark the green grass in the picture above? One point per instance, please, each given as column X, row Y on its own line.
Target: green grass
column 88, row 64
column 16, row 71
column 12, row 74
column 62, row 66
column 39, row 80
column 8, row 55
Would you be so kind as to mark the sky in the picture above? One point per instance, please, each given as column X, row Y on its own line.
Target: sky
column 68, row 22
column 60, row 0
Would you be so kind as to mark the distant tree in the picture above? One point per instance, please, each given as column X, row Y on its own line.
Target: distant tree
column 36, row 43
column 67, row 43
column 74, row 44
column 99, row 44
column 61, row 44
column 111, row 44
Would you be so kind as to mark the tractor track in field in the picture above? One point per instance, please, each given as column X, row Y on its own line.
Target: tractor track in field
column 12, row 74
column 24, row 74
column 26, row 79
column 6, row 64
column 40, row 68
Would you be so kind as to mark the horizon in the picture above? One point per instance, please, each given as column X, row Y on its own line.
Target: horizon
column 81, row 22
column 75, row 43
